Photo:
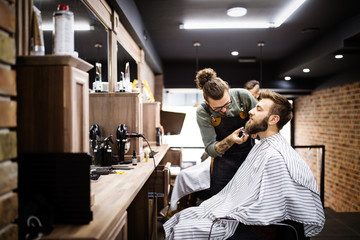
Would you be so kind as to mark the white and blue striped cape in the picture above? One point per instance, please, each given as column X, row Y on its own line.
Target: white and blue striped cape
column 273, row 184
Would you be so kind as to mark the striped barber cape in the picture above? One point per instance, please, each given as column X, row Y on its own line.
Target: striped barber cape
column 272, row 185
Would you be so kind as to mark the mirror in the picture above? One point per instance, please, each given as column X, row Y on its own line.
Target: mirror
column 124, row 57
column 91, row 44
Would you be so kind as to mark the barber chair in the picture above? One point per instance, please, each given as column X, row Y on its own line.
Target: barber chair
column 286, row 230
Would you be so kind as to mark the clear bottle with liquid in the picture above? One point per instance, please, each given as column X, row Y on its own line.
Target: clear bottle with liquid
column 98, row 81
column 63, row 33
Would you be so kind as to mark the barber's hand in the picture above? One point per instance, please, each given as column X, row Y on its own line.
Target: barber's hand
column 239, row 140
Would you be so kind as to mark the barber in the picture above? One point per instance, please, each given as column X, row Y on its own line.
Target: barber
column 220, row 119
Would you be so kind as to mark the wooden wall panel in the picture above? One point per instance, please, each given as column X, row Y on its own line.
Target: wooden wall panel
column 159, row 87
column 127, row 42
column 108, row 110
column 102, row 10
column 53, row 106
column 151, row 115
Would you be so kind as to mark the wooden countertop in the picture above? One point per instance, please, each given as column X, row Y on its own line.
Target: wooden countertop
column 113, row 195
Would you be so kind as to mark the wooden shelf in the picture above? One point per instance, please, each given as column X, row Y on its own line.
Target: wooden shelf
column 50, row 60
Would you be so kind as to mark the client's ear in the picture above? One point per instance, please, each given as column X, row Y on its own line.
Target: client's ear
column 273, row 119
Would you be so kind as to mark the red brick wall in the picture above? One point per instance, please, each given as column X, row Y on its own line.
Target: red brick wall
column 331, row 117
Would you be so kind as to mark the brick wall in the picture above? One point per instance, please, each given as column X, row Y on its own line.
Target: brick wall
column 8, row 107
column 331, row 117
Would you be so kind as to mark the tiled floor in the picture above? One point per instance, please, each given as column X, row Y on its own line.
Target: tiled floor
column 338, row 226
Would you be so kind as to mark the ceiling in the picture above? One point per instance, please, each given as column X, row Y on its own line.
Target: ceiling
column 308, row 38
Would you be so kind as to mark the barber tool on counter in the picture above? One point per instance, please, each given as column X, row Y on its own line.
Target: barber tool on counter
column 123, row 140
column 94, row 136
column 158, row 136
column 103, row 152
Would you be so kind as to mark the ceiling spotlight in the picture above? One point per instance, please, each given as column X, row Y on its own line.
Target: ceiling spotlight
column 261, row 44
column 339, row 56
column 196, row 44
column 236, row 12
column 306, row 70
column 287, row 78
column 234, row 53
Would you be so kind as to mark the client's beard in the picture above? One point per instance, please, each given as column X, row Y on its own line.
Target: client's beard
column 254, row 128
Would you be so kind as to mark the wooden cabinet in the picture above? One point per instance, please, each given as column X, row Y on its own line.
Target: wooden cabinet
column 108, row 110
column 151, row 119
column 53, row 100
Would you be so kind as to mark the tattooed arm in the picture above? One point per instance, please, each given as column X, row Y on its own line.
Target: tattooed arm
column 222, row 146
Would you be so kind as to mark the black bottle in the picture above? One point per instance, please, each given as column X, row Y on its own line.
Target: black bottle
column 98, row 153
column 158, row 136
column 134, row 158
column 107, row 152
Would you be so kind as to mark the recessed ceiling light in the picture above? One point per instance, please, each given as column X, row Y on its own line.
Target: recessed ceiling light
column 339, row 56
column 306, row 70
column 281, row 16
column 234, row 53
column 236, row 12
column 310, row 30
column 246, row 59
column 287, row 78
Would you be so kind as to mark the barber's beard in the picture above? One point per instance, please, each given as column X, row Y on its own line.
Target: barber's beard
column 254, row 128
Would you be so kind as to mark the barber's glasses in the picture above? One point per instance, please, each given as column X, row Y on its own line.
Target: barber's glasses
column 226, row 105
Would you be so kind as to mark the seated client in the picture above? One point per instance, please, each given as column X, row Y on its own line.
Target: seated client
column 274, row 184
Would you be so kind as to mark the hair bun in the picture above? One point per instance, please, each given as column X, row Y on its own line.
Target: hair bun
column 205, row 75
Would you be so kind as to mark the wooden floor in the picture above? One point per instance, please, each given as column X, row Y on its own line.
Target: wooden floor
column 338, row 226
